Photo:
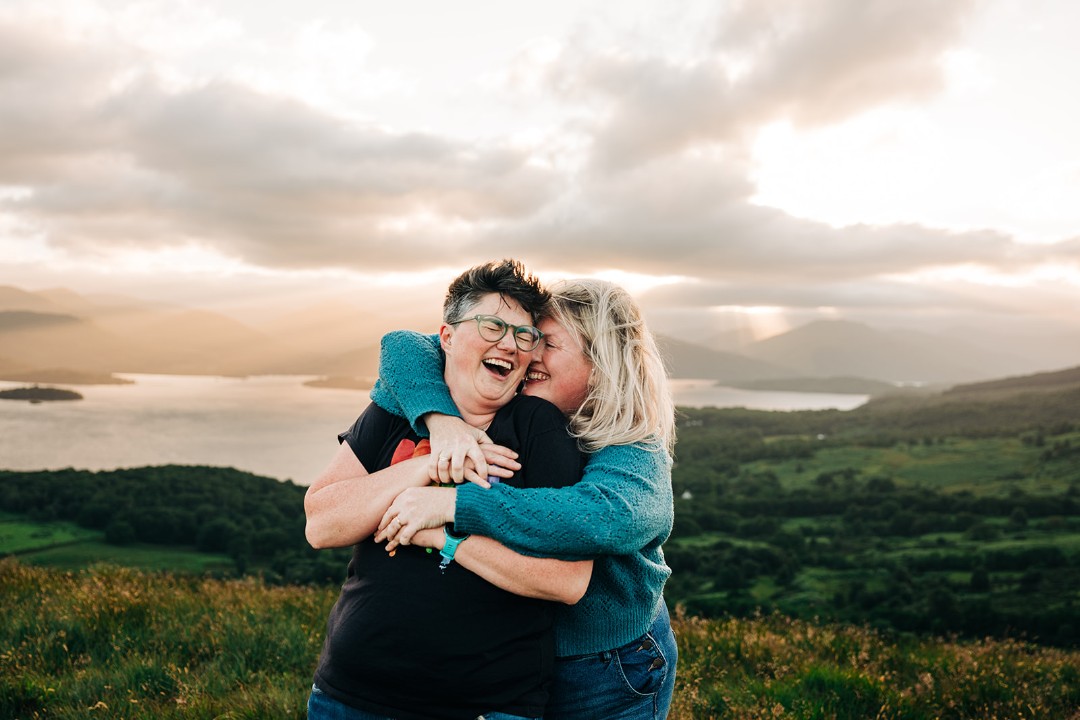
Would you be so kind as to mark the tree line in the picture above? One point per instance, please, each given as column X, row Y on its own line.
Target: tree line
column 256, row 521
column 755, row 531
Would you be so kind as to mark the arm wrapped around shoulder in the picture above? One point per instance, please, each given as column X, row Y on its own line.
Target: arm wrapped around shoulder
column 410, row 383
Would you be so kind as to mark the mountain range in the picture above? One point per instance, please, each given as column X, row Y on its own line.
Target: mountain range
column 59, row 331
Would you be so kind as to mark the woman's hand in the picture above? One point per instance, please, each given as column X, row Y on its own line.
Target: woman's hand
column 414, row 510
column 433, row 538
column 460, row 452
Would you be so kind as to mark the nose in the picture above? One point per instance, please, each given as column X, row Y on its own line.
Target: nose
column 507, row 342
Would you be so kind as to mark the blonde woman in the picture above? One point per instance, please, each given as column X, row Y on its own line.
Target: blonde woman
column 599, row 364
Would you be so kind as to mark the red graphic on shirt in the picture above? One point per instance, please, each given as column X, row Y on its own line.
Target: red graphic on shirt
column 408, row 449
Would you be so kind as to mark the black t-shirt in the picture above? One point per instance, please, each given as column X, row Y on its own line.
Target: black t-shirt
column 412, row 642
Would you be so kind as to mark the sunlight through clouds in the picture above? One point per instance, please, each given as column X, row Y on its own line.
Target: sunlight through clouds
column 769, row 163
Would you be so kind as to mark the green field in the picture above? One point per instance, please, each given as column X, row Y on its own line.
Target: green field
column 987, row 466
column 972, row 535
column 19, row 535
column 66, row 546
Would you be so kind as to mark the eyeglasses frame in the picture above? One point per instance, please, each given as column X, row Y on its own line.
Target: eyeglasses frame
column 505, row 327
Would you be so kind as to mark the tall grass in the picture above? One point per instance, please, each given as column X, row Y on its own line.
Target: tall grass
column 779, row 668
column 116, row 643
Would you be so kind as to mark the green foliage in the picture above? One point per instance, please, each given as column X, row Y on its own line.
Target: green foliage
column 870, row 523
column 258, row 522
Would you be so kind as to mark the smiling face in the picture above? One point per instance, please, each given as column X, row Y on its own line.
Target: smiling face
column 560, row 372
column 483, row 375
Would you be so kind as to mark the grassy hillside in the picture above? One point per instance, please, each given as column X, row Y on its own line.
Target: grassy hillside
column 1054, row 381
column 929, row 534
column 118, row 643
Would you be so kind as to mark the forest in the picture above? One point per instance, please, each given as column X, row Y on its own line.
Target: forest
column 954, row 514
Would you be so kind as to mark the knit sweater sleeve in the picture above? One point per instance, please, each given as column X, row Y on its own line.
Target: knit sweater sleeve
column 410, row 382
column 622, row 504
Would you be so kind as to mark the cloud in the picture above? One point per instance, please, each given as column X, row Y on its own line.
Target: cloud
column 51, row 91
column 692, row 216
column 651, row 171
column 116, row 159
column 810, row 62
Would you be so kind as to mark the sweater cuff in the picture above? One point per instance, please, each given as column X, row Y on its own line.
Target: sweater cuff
column 470, row 509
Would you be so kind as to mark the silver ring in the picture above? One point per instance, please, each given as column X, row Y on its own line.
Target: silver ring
column 444, row 458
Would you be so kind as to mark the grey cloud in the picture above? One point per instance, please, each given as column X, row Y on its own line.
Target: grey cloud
column 279, row 184
column 824, row 60
column 274, row 183
column 807, row 61
column 50, row 94
column 263, row 178
column 678, row 216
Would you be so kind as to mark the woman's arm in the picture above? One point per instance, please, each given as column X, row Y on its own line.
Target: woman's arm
column 543, row 578
column 345, row 503
column 622, row 503
column 411, row 386
column 410, row 383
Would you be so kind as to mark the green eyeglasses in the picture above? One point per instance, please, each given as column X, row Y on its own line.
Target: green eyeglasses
column 492, row 329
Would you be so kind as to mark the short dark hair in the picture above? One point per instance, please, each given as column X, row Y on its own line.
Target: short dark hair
column 507, row 277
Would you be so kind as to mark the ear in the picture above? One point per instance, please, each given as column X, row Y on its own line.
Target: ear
column 446, row 333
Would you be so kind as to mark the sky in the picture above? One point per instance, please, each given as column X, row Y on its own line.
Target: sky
column 737, row 165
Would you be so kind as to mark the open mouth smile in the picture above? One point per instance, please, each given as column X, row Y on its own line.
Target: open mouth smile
column 499, row 366
column 536, row 376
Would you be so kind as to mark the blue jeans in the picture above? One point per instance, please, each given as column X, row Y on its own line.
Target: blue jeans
column 323, row 707
column 633, row 682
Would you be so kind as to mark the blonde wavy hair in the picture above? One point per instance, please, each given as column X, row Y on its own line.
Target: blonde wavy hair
column 628, row 399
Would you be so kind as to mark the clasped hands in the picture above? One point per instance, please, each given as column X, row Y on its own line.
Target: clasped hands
column 459, row 453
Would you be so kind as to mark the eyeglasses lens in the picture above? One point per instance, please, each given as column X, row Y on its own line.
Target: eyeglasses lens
column 494, row 328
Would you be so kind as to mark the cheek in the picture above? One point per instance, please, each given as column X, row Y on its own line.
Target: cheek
column 573, row 386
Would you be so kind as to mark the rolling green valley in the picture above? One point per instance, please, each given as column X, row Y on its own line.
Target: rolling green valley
column 918, row 557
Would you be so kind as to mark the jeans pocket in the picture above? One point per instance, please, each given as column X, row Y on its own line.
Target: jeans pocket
column 643, row 665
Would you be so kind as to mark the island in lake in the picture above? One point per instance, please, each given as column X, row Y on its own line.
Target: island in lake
column 37, row 394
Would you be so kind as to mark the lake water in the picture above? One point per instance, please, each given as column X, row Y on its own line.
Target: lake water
column 268, row 425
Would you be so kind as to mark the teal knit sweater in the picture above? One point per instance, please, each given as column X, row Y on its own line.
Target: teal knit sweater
column 619, row 513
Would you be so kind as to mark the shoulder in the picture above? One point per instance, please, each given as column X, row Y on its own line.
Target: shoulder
column 644, row 458
column 373, row 421
column 642, row 452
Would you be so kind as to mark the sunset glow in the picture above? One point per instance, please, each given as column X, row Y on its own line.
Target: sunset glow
column 746, row 164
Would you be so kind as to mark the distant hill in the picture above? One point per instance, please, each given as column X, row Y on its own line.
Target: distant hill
column 15, row 320
column 1059, row 380
column 60, row 333
column 686, row 360
column 34, row 340
column 64, row 331
column 829, row 348
column 12, row 298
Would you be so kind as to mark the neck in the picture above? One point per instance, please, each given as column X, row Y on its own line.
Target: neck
column 477, row 421
column 477, row 415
